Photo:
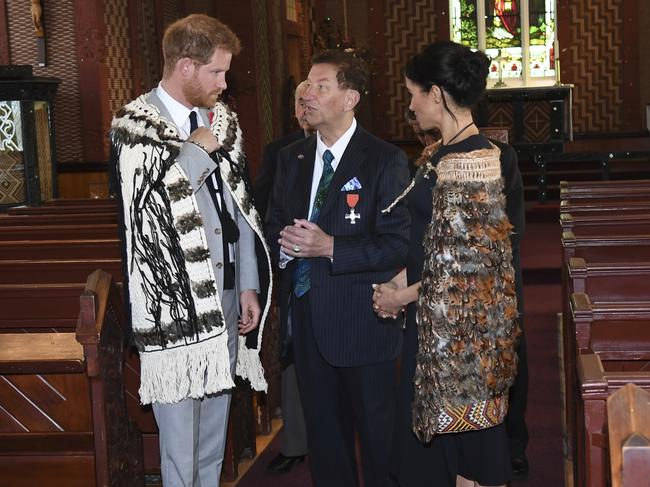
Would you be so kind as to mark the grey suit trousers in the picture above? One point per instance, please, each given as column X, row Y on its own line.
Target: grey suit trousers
column 198, row 425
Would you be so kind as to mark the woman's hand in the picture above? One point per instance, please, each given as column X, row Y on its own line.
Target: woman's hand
column 387, row 300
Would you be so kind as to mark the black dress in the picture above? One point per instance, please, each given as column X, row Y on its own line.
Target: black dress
column 482, row 455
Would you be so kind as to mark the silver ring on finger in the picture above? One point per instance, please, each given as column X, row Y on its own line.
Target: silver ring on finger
column 296, row 249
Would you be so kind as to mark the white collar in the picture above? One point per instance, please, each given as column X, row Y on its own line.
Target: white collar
column 338, row 148
column 180, row 113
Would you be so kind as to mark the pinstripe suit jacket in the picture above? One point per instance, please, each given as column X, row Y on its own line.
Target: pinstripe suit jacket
column 348, row 332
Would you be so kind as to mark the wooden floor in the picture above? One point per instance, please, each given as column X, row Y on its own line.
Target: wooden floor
column 262, row 442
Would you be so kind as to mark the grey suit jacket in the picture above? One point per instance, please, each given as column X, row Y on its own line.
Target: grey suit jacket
column 198, row 166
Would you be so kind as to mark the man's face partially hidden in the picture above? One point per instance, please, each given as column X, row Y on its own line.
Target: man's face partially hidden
column 301, row 109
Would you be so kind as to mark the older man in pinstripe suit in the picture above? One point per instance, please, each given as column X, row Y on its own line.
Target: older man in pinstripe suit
column 329, row 234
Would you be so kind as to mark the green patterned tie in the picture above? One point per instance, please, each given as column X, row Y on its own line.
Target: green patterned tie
column 301, row 281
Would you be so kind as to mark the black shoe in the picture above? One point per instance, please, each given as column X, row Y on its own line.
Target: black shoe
column 282, row 464
column 519, row 466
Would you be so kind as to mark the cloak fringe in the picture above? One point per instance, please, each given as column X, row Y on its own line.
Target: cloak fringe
column 189, row 371
column 249, row 366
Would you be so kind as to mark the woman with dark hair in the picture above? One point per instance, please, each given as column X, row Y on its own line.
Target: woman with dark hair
column 458, row 288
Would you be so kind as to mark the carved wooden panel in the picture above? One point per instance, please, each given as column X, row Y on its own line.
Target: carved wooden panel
column 93, row 77
column 12, row 177
column 247, row 73
column 537, row 121
column 123, row 442
column 501, row 115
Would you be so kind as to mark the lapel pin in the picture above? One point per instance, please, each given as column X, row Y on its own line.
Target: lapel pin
column 301, row 156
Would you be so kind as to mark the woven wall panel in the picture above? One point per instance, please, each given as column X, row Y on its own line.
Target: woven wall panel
column 61, row 63
column 595, row 49
column 148, row 45
column 118, row 54
column 12, row 178
column 264, row 72
column 170, row 12
column 410, row 26
column 308, row 28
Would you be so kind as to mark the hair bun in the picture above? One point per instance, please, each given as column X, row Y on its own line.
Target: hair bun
column 479, row 63
column 452, row 66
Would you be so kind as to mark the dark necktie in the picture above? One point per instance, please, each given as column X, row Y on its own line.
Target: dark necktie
column 301, row 281
column 229, row 230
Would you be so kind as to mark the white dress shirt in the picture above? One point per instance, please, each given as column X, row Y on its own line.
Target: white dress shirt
column 181, row 117
column 179, row 112
column 337, row 150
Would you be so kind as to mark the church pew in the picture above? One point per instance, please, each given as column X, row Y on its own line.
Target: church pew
column 618, row 331
column 241, row 440
column 94, row 202
column 603, row 189
column 599, row 249
column 611, row 289
column 606, row 248
column 54, row 305
column 606, row 320
column 64, row 219
column 39, row 305
column 606, row 205
column 617, row 288
column 611, row 280
column 596, row 385
column 63, row 416
column 604, row 223
column 58, row 232
column 58, row 312
column 56, row 271
column 607, row 256
column 61, row 209
column 622, row 228
column 61, row 249
column 628, row 431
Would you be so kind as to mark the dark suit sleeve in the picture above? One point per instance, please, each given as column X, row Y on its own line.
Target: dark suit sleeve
column 265, row 178
column 516, row 211
column 386, row 246
column 514, row 190
column 274, row 222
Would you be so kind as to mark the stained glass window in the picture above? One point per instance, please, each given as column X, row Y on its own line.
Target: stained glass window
column 464, row 22
column 518, row 35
